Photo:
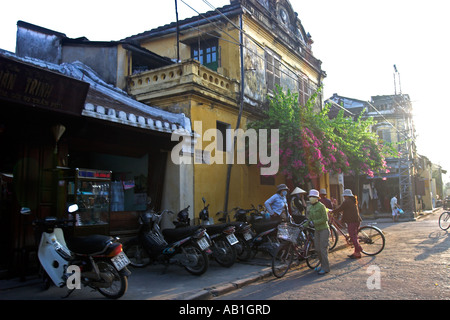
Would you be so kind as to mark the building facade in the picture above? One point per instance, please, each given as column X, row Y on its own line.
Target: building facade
column 229, row 61
column 408, row 171
column 218, row 69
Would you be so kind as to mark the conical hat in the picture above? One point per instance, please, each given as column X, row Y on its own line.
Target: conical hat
column 297, row 190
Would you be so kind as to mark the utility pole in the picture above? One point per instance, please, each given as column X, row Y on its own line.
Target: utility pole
column 178, row 32
column 405, row 161
column 241, row 108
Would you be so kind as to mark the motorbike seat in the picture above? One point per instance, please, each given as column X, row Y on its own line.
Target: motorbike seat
column 237, row 224
column 93, row 244
column 264, row 226
column 215, row 228
column 176, row 234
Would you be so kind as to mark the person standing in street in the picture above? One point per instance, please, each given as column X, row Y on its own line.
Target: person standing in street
column 276, row 205
column 318, row 215
column 323, row 198
column 298, row 205
column 394, row 208
column 350, row 216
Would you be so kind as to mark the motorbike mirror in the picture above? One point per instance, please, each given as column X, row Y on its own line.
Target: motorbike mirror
column 73, row 208
column 25, row 210
column 203, row 199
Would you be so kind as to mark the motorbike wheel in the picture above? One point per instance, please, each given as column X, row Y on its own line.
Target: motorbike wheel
column 245, row 249
column 202, row 260
column 138, row 256
column 119, row 282
column 224, row 253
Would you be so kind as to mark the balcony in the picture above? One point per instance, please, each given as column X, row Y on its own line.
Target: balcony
column 182, row 78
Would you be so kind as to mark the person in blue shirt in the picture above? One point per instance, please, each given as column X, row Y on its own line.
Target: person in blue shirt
column 276, row 205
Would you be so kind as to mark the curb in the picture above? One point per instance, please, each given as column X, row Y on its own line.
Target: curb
column 223, row 288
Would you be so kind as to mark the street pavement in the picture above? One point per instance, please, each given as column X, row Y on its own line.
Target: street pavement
column 157, row 283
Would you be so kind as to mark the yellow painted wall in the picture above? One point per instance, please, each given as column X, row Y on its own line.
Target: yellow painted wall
column 210, row 180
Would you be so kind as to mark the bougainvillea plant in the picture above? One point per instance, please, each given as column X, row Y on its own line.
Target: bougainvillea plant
column 310, row 143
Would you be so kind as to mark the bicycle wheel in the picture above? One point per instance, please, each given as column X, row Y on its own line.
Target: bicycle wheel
column 282, row 259
column 312, row 258
column 371, row 240
column 333, row 239
column 444, row 220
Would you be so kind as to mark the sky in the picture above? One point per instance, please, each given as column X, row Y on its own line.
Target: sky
column 357, row 41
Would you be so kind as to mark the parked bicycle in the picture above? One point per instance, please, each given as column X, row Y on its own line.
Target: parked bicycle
column 444, row 220
column 297, row 242
column 371, row 238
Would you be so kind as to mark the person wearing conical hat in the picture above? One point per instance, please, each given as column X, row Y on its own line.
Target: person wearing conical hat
column 298, row 205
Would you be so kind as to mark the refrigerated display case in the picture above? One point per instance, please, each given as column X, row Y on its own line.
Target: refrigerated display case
column 91, row 190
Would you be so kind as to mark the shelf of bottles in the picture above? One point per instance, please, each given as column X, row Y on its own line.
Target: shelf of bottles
column 90, row 190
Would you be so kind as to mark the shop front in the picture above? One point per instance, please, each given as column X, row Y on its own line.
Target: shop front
column 68, row 140
column 33, row 103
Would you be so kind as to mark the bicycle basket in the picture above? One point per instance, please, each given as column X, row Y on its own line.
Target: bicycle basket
column 288, row 232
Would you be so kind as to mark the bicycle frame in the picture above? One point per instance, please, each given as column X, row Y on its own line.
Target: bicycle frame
column 339, row 227
column 368, row 235
column 308, row 238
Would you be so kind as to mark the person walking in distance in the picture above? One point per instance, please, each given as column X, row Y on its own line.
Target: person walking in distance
column 350, row 216
column 318, row 215
column 394, row 208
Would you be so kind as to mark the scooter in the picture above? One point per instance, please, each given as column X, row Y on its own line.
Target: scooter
column 264, row 230
column 96, row 261
column 184, row 246
column 222, row 238
column 243, row 233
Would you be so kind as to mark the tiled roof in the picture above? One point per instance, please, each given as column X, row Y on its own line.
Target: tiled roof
column 110, row 103
column 212, row 15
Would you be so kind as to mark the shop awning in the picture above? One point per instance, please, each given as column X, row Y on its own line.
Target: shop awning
column 106, row 102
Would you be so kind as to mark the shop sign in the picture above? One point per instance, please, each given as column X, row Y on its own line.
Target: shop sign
column 26, row 84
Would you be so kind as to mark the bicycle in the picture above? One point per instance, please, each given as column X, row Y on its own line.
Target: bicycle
column 444, row 220
column 297, row 242
column 371, row 238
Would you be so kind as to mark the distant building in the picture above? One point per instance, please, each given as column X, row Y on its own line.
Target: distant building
column 394, row 124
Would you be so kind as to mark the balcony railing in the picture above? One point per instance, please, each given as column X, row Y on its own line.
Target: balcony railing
column 190, row 75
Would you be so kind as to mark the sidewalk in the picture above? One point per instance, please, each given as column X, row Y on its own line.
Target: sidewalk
column 175, row 283
column 154, row 283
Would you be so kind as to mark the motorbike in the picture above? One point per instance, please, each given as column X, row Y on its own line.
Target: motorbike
column 243, row 233
column 99, row 259
column 223, row 239
column 264, row 230
column 185, row 246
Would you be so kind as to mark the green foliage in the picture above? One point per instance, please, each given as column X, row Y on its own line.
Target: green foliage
column 311, row 143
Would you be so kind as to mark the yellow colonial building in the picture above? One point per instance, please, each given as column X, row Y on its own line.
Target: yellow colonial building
column 218, row 69
column 226, row 63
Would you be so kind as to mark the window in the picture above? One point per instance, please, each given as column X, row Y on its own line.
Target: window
column 273, row 71
column 266, row 180
column 385, row 135
column 207, row 54
column 306, row 89
column 303, row 90
column 226, row 136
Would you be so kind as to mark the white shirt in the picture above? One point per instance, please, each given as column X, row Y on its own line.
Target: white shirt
column 393, row 203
